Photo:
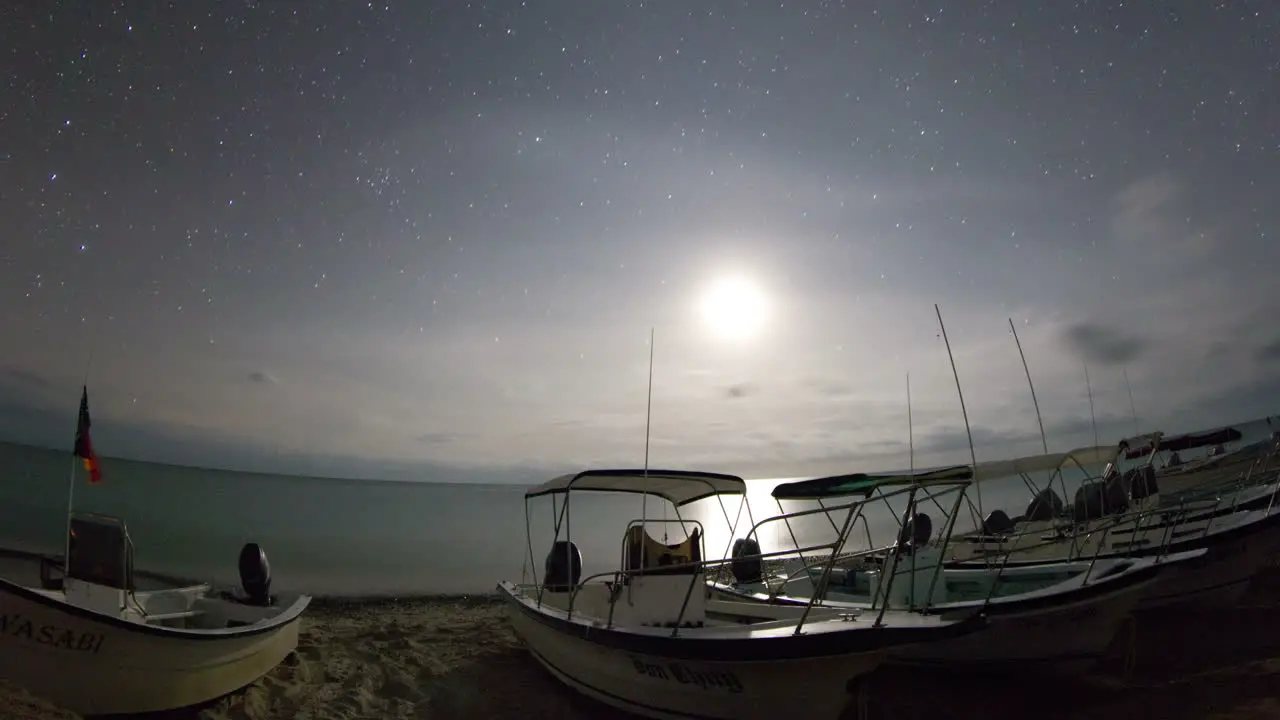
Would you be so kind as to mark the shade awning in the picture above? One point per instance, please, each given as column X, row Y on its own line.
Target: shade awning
column 864, row 483
column 1144, row 445
column 679, row 487
column 1094, row 455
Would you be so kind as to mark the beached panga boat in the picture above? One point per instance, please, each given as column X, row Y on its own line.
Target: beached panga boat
column 1058, row 617
column 1224, row 462
column 1121, row 514
column 91, row 642
column 648, row 638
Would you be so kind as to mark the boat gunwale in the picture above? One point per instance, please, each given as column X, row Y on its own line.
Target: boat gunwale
column 289, row 615
column 1206, row 541
column 1011, row 604
column 810, row 642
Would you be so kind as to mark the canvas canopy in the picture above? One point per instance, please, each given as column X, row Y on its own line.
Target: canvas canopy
column 1095, row 455
column 864, row 483
column 679, row 487
column 1143, row 445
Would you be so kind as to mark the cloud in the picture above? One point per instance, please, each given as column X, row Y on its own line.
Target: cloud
column 32, row 414
column 1268, row 352
column 1140, row 215
column 437, row 438
column 1103, row 345
column 31, row 382
column 823, row 390
column 833, row 388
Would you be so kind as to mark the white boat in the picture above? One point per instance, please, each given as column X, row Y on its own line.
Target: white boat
column 1122, row 515
column 1058, row 617
column 1221, row 465
column 648, row 638
column 91, row 642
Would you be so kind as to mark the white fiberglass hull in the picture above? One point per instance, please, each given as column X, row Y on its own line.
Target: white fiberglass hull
column 1062, row 628
column 1238, row 544
column 1247, row 542
column 700, row 683
column 1063, row 637
column 94, row 664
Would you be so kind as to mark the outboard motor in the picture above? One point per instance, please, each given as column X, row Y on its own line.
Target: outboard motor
column 997, row 523
column 747, row 569
column 1089, row 502
column 563, row 568
column 255, row 575
column 1115, row 494
column 1046, row 505
column 1144, row 483
column 915, row 532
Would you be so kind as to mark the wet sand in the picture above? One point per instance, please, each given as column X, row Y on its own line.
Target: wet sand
column 457, row 658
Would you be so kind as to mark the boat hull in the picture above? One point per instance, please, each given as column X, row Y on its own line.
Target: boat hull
column 742, row 683
column 1222, row 576
column 92, row 664
column 1058, row 632
column 1065, row 637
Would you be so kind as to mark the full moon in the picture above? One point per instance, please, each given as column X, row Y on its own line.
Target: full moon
column 734, row 308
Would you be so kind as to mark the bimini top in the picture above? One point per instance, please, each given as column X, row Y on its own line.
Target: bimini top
column 1143, row 445
column 864, row 483
column 679, row 487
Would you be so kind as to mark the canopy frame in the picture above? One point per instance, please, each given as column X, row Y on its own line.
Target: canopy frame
column 697, row 485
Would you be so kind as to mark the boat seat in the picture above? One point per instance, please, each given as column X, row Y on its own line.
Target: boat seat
column 644, row 554
column 99, row 553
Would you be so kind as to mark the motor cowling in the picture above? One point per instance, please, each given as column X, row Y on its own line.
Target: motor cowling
column 563, row 569
column 915, row 531
column 747, row 565
column 1046, row 505
column 255, row 575
column 997, row 523
column 1090, row 503
column 1144, row 483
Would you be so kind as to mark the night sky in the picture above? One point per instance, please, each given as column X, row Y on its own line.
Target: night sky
column 384, row 239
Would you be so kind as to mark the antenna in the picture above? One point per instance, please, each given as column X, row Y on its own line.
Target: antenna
column 1092, row 418
column 972, row 454
column 911, row 441
column 1133, row 410
column 648, row 419
column 1044, row 441
column 648, row 409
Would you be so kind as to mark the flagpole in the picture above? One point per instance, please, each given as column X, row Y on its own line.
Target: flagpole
column 71, row 480
column 71, row 493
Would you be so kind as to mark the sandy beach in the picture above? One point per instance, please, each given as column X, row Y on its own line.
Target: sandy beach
column 457, row 658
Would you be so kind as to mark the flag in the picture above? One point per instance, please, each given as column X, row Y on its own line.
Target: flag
column 84, row 445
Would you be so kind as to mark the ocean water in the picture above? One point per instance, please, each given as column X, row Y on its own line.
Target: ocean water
column 357, row 537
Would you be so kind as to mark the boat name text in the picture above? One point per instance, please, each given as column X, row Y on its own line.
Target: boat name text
column 16, row 626
column 686, row 675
